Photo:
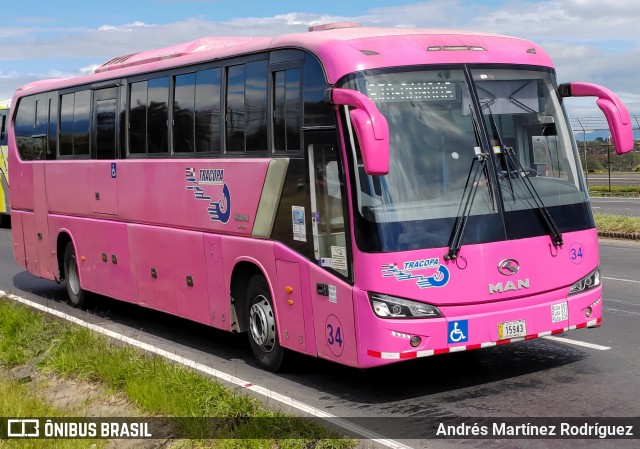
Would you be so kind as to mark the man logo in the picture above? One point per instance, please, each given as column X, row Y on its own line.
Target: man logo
column 508, row 267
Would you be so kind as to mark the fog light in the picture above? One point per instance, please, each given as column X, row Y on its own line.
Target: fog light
column 415, row 341
column 588, row 311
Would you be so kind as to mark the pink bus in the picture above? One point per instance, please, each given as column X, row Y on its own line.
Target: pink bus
column 358, row 194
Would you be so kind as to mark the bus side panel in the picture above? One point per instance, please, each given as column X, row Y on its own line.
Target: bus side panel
column 304, row 293
column 21, row 181
column 333, row 317
column 18, row 238
column 31, row 244
column 289, row 300
column 109, row 260
column 47, row 259
column 209, row 194
column 169, row 266
column 219, row 304
column 105, row 195
column 69, row 187
column 257, row 252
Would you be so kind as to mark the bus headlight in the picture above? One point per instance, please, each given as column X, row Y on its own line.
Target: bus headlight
column 386, row 306
column 586, row 283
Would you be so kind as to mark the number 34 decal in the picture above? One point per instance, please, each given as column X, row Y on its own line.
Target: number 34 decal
column 334, row 335
column 576, row 253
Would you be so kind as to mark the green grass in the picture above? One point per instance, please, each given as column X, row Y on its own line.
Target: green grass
column 615, row 191
column 154, row 385
column 617, row 223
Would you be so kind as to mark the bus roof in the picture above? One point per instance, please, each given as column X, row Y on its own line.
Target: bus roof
column 342, row 48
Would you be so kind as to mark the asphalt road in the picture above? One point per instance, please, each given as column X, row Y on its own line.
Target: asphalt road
column 538, row 378
column 617, row 179
column 616, row 206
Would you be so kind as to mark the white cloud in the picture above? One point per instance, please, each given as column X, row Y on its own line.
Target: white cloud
column 589, row 40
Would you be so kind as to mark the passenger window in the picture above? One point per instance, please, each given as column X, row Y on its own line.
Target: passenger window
column 138, row 118
column 256, row 106
column 183, row 113
column 158, row 116
column 149, row 116
column 207, row 105
column 106, row 111
column 235, row 119
column 286, row 117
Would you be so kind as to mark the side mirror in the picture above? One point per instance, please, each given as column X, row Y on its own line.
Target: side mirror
column 370, row 127
column 614, row 110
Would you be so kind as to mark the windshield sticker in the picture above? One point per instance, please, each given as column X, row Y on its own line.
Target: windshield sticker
column 299, row 224
column 339, row 256
column 219, row 204
column 436, row 275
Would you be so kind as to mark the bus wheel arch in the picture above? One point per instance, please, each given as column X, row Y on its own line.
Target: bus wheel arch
column 61, row 245
column 254, row 307
column 69, row 270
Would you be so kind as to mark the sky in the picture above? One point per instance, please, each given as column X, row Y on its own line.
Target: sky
column 589, row 40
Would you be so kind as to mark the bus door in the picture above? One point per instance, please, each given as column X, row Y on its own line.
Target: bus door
column 332, row 295
column 105, row 151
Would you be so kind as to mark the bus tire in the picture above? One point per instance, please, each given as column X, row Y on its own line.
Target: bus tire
column 77, row 296
column 262, row 328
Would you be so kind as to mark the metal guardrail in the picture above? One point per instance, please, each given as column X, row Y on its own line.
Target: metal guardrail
column 592, row 124
column 610, row 177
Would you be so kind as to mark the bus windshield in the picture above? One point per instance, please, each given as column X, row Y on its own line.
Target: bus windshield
column 434, row 138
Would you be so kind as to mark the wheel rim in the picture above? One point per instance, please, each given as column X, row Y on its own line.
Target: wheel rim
column 262, row 324
column 74, row 278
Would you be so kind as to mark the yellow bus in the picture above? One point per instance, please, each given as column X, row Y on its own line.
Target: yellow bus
column 4, row 174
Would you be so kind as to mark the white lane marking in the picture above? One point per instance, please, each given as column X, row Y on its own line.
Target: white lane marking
column 269, row 394
column 622, row 312
column 621, row 280
column 577, row 343
column 626, row 303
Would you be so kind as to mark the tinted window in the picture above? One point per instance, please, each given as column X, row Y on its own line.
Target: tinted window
column 207, row 104
column 183, row 113
column 256, row 106
column 53, row 126
column 106, row 111
column 158, row 116
column 41, row 115
column 138, row 118
column 316, row 111
column 23, row 128
column 286, row 119
column 279, row 130
column 66, row 125
column 235, row 108
column 293, row 109
column 81, row 122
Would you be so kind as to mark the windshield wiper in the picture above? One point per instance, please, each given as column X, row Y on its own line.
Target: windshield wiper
column 523, row 174
column 466, row 203
column 552, row 227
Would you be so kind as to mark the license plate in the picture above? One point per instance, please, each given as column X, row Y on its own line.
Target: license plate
column 512, row 329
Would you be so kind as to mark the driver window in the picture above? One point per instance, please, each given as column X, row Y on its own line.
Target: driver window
column 328, row 224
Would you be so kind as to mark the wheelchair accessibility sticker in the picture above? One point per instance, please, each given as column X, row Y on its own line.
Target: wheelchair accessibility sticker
column 458, row 331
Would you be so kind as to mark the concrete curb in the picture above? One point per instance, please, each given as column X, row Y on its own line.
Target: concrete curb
column 618, row 235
